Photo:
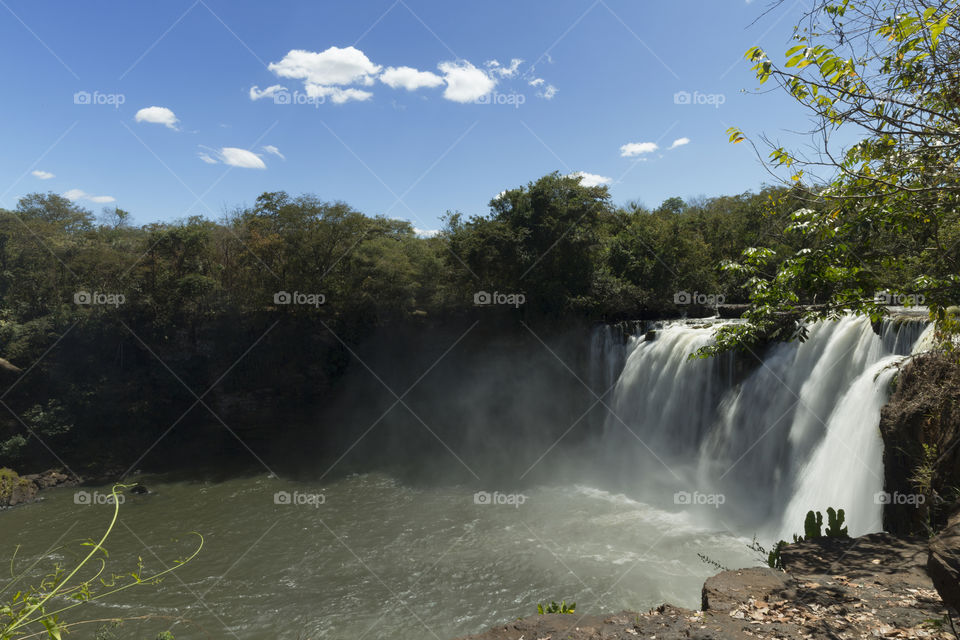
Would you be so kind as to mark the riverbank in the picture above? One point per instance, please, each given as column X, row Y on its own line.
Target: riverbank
column 875, row 586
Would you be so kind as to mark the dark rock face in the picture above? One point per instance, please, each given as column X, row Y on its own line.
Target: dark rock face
column 920, row 426
column 872, row 586
column 943, row 563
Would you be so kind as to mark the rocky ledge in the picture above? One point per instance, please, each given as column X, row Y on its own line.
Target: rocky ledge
column 874, row 586
column 16, row 489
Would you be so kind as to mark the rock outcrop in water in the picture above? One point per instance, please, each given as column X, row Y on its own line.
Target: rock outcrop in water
column 874, row 586
column 16, row 489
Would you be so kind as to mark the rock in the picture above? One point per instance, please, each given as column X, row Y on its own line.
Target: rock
column 920, row 425
column 943, row 563
column 23, row 492
column 16, row 489
column 874, row 586
column 726, row 591
column 51, row 478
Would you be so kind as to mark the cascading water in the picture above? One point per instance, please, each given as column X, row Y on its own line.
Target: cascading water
column 798, row 432
column 846, row 469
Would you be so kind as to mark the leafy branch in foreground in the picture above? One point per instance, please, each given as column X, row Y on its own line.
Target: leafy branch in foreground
column 882, row 227
column 33, row 607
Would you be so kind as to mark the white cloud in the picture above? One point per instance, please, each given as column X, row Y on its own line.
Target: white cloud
column 157, row 115
column 502, row 71
column 409, row 78
column 234, row 157
column 334, row 66
column 548, row 90
column 269, row 92
column 632, row 149
column 465, row 82
column 679, row 142
column 80, row 194
column 43, row 175
column 590, row 179
column 337, row 95
column 345, row 74
column 241, row 158
column 269, row 148
column 426, row 233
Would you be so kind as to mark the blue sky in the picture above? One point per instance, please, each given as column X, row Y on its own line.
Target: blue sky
column 407, row 108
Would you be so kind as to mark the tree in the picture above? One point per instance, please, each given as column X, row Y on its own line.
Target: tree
column 882, row 224
column 541, row 239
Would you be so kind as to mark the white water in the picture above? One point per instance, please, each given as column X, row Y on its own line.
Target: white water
column 794, row 432
column 847, row 466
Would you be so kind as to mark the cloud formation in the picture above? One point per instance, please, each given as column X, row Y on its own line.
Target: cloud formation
column 80, row 194
column 348, row 75
column 679, row 142
column 632, row 149
column 269, row 148
column 465, row 82
column 325, row 73
column 590, row 179
column 234, row 157
column 269, row 92
column 158, row 115
column 409, row 78
column 43, row 175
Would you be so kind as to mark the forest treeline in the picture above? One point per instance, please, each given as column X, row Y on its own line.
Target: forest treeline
column 116, row 328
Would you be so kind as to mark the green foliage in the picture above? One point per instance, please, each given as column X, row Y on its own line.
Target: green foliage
column 773, row 557
column 812, row 530
column 553, row 607
column 812, row 525
column 886, row 225
column 835, row 528
column 41, row 605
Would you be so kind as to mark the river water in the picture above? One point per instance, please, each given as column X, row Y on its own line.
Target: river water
column 367, row 557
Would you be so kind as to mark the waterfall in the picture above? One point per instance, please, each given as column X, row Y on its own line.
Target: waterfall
column 768, row 439
column 846, row 469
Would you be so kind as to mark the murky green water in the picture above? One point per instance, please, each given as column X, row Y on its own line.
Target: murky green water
column 367, row 557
